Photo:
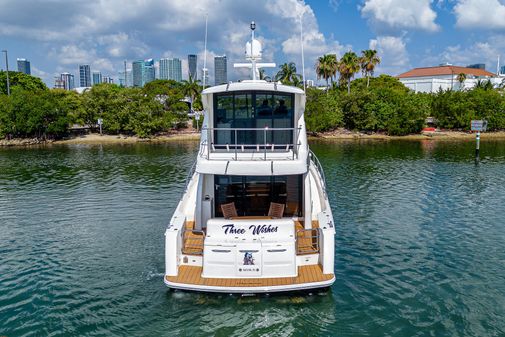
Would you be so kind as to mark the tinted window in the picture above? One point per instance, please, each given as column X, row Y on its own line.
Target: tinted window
column 255, row 110
column 252, row 195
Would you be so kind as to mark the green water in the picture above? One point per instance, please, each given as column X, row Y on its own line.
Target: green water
column 420, row 245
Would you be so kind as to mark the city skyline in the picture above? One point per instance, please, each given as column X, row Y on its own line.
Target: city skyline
column 406, row 33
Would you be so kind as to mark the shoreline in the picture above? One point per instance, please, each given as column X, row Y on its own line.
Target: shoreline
column 337, row 135
column 342, row 134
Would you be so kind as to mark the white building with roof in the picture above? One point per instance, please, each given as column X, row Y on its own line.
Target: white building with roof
column 445, row 77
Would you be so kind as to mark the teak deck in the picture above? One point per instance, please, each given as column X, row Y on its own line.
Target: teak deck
column 192, row 275
column 193, row 241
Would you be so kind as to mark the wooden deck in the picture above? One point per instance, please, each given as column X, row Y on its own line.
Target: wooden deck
column 306, row 243
column 192, row 241
column 306, row 274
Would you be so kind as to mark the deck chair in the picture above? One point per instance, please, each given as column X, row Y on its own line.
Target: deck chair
column 229, row 210
column 276, row 210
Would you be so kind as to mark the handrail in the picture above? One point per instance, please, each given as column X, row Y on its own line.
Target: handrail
column 320, row 170
column 189, row 175
column 264, row 146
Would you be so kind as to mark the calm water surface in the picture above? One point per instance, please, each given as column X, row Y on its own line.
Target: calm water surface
column 420, row 245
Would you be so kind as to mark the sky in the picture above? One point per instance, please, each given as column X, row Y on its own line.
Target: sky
column 58, row 35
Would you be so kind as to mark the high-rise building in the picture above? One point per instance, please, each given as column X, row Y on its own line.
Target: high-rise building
column 137, row 73
column 163, row 72
column 148, row 72
column 107, row 79
column 143, row 72
column 175, row 69
column 97, row 77
column 170, row 69
column 85, row 75
column 121, row 78
column 502, row 70
column 24, row 66
column 129, row 78
column 59, row 83
column 192, row 61
column 477, row 66
column 68, row 81
column 220, row 70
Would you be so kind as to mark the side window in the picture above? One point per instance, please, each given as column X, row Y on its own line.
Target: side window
column 264, row 105
column 224, row 109
column 283, row 107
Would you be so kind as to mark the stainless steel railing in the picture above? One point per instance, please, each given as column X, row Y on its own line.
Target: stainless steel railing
column 319, row 167
column 189, row 175
column 266, row 146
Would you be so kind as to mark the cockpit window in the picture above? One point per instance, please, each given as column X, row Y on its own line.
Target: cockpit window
column 253, row 110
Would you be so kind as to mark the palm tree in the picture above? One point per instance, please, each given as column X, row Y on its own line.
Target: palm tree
column 461, row 79
column 263, row 76
column 192, row 89
column 484, row 84
column 326, row 67
column 297, row 81
column 286, row 73
column 368, row 61
column 348, row 66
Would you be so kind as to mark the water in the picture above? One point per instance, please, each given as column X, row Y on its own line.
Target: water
column 419, row 245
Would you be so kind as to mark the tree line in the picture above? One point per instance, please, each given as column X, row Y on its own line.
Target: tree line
column 33, row 110
column 367, row 104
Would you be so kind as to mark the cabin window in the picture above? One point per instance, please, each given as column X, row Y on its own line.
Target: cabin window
column 252, row 110
column 252, row 195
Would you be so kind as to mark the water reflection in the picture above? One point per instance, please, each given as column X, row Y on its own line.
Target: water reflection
column 419, row 244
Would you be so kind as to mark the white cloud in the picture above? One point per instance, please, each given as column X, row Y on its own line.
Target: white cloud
column 486, row 51
column 104, row 33
column 315, row 43
column 334, row 4
column 488, row 14
column 390, row 15
column 393, row 53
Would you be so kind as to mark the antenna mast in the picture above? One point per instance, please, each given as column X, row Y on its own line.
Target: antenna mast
column 253, row 58
column 205, row 53
column 253, row 54
column 303, row 58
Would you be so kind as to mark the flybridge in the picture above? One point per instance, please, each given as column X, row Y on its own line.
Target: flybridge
column 253, row 52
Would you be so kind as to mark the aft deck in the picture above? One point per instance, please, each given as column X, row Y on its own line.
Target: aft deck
column 306, row 244
column 191, row 275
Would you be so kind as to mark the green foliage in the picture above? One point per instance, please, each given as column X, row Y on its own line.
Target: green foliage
column 287, row 74
column 19, row 80
column 39, row 114
column 7, row 118
column 386, row 105
column 455, row 109
column 322, row 111
column 383, row 104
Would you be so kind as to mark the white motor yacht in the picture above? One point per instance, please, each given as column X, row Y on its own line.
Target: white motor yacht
column 255, row 216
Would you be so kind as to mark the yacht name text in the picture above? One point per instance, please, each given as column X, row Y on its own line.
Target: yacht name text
column 256, row 229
